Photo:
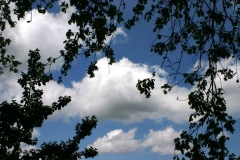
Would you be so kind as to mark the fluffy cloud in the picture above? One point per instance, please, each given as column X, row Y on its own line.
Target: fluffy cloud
column 114, row 96
column 45, row 32
column 161, row 141
column 117, row 141
column 35, row 133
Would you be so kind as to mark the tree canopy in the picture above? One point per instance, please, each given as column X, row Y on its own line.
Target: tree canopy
column 17, row 120
column 209, row 30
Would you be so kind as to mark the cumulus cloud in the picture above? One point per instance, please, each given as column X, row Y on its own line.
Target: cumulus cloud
column 118, row 141
column 114, row 96
column 45, row 32
column 161, row 141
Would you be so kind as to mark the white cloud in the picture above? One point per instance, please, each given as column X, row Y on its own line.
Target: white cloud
column 161, row 140
column 114, row 96
column 117, row 141
column 35, row 133
column 45, row 32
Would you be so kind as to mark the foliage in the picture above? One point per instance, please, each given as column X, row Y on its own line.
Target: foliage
column 18, row 119
column 207, row 30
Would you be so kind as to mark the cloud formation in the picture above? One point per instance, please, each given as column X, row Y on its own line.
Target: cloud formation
column 45, row 32
column 161, row 141
column 118, row 141
column 114, row 96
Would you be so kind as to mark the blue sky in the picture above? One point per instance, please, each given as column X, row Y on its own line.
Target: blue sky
column 130, row 126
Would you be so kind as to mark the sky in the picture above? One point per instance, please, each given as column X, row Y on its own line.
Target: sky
column 129, row 126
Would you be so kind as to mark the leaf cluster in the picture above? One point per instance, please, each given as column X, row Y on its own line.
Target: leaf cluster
column 18, row 119
column 95, row 21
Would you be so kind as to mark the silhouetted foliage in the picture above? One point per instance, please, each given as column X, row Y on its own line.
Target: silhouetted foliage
column 17, row 120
